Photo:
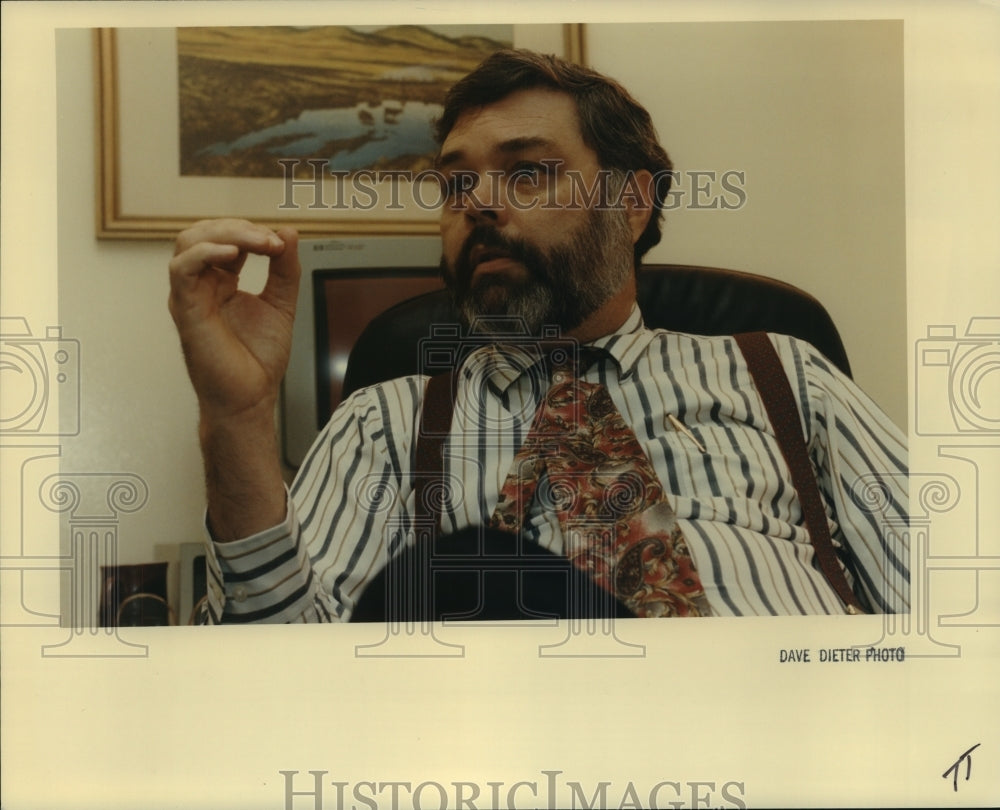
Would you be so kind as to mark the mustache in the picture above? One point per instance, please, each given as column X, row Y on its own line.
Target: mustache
column 486, row 241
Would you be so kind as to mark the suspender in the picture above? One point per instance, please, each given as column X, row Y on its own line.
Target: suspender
column 772, row 384
column 779, row 402
column 435, row 421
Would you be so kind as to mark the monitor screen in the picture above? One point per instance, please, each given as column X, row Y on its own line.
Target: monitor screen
column 345, row 301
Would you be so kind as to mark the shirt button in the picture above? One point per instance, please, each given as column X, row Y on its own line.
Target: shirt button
column 239, row 593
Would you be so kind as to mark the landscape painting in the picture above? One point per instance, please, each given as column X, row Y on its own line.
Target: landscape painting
column 359, row 98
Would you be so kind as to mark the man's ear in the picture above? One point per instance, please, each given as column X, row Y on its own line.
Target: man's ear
column 637, row 200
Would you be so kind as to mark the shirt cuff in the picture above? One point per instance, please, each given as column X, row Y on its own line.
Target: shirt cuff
column 265, row 577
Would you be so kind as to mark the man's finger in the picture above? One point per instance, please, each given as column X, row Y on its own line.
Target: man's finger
column 284, row 270
column 246, row 235
column 186, row 267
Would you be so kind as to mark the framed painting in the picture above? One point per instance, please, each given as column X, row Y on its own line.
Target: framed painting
column 325, row 128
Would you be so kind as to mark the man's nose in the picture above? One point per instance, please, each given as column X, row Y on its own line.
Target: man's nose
column 487, row 201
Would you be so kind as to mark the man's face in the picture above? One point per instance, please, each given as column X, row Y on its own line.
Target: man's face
column 524, row 234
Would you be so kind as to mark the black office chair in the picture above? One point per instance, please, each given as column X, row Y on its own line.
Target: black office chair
column 683, row 298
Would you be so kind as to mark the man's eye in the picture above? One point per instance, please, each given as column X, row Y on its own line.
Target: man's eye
column 529, row 172
column 457, row 183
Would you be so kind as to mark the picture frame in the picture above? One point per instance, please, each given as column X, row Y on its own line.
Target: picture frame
column 141, row 193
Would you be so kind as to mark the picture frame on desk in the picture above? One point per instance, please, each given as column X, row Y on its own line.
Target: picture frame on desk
column 153, row 179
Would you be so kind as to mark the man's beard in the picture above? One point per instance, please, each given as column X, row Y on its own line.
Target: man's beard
column 563, row 285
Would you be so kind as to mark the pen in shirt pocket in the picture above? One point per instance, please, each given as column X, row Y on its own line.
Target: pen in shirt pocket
column 680, row 427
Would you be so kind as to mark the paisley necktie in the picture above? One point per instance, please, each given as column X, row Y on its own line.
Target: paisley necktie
column 583, row 461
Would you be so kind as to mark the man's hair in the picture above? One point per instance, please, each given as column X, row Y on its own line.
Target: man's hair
column 613, row 124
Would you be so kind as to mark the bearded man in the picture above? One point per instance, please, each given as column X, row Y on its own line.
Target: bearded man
column 554, row 185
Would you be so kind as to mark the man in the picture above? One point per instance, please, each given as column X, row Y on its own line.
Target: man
column 524, row 139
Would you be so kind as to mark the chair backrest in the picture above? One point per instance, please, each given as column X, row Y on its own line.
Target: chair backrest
column 683, row 298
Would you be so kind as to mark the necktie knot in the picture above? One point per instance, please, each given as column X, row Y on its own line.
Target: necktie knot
column 563, row 361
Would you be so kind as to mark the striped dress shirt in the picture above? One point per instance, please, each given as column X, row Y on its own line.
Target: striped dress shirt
column 351, row 504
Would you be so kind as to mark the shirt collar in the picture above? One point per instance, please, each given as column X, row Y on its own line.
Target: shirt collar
column 627, row 343
column 500, row 365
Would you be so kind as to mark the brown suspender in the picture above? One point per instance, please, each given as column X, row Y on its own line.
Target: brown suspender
column 772, row 384
column 779, row 402
column 435, row 421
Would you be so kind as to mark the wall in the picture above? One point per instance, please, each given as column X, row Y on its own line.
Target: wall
column 137, row 411
column 811, row 112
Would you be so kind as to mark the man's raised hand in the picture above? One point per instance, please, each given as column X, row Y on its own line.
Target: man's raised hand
column 236, row 344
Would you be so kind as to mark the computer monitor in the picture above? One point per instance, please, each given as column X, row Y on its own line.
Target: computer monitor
column 345, row 283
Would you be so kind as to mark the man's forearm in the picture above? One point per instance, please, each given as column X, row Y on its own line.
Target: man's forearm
column 243, row 474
